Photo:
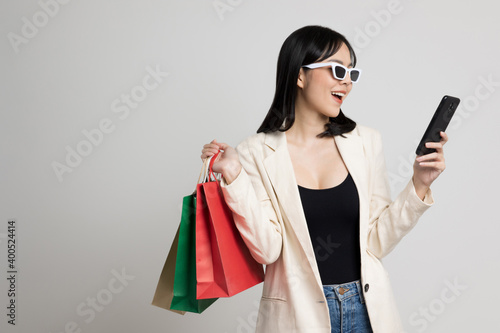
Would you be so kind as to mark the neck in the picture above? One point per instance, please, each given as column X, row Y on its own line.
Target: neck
column 307, row 125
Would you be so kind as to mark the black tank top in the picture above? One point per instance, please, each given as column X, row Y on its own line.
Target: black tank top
column 333, row 220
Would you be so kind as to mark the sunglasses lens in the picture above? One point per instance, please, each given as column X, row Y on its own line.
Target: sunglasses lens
column 354, row 75
column 339, row 72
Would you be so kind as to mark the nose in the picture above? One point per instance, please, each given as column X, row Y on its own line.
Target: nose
column 347, row 79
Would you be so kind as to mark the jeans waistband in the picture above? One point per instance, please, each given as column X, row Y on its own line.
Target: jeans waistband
column 344, row 290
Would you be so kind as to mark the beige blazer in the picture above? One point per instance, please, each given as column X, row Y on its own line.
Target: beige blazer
column 267, row 209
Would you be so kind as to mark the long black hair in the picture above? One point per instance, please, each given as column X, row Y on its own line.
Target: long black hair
column 304, row 46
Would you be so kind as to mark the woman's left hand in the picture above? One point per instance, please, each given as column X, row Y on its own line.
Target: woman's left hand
column 428, row 167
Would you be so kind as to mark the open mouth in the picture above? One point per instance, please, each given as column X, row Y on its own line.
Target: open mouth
column 338, row 96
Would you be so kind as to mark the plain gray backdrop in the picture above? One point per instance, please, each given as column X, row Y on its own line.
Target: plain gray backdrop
column 105, row 107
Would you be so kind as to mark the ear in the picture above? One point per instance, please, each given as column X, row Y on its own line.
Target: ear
column 301, row 79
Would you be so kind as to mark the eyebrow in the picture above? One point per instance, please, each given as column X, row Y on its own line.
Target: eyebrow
column 340, row 62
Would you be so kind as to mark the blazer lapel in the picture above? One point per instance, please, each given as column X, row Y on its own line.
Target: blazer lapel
column 280, row 171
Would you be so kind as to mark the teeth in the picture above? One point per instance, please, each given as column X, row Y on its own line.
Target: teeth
column 338, row 94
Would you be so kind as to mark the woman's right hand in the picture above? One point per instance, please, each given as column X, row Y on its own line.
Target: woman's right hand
column 227, row 161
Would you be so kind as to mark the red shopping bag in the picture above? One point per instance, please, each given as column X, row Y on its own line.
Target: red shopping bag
column 224, row 265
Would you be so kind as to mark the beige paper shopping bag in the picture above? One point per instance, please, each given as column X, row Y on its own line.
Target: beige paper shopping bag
column 165, row 288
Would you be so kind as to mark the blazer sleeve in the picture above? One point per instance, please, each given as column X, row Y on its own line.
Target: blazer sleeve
column 252, row 208
column 390, row 221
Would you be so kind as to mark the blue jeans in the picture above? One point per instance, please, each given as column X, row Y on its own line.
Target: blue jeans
column 347, row 306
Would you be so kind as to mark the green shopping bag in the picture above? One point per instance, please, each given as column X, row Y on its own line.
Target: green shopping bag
column 184, row 298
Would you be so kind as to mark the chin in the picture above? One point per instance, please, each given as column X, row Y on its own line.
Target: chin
column 334, row 114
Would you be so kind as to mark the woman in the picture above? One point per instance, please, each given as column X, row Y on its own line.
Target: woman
column 310, row 196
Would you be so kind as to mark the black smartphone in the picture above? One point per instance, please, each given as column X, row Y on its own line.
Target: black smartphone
column 439, row 122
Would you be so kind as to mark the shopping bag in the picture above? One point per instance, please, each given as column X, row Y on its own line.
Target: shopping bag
column 165, row 288
column 224, row 265
column 184, row 291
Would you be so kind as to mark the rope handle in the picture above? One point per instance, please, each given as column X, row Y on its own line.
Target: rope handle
column 207, row 174
column 203, row 172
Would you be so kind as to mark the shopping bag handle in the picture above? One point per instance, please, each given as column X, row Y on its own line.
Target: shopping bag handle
column 211, row 172
column 207, row 172
column 203, row 171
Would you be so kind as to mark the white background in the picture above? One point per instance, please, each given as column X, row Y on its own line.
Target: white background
column 119, row 207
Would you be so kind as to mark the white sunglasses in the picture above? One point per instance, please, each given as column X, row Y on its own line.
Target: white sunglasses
column 339, row 71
